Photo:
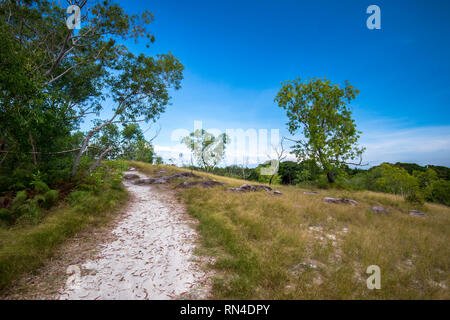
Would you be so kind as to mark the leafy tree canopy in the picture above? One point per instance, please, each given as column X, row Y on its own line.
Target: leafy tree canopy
column 207, row 149
column 320, row 111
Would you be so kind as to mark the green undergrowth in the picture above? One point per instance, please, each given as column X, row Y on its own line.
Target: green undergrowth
column 93, row 202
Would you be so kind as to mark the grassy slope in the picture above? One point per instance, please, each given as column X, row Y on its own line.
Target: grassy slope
column 261, row 240
column 24, row 248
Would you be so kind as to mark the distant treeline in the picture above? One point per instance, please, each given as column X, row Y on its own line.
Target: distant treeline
column 414, row 182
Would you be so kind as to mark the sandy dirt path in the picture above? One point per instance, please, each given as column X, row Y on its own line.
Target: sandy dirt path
column 150, row 257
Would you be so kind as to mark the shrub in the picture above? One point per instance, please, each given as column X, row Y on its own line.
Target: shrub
column 5, row 216
column 440, row 192
column 395, row 180
column 50, row 198
column 20, row 199
column 30, row 213
column 40, row 186
column 415, row 197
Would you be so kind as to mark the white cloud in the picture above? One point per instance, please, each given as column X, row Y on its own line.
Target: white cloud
column 423, row 145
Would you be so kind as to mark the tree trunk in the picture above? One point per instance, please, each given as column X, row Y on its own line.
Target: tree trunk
column 86, row 141
column 34, row 153
column 274, row 172
column 119, row 110
column 95, row 165
column 330, row 177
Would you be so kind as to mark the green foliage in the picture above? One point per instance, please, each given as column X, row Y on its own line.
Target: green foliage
column 20, row 199
column 52, row 77
column 422, row 185
column 266, row 178
column 25, row 248
column 50, row 198
column 415, row 197
column 426, row 177
column 395, row 180
column 440, row 191
column 442, row 172
column 118, row 165
column 40, row 186
column 319, row 109
column 134, row 146
column 5, row 217
column 410, row 167
column 208, row 150
column 30, row 213
column 26, row 210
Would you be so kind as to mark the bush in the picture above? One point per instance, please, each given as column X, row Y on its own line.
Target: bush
column 5, row 216
column 24, row 210
column 50, row 198
column 40, row 186
column 415, row 197
column 20, row 199
column 440, row 192
column 25, row 249
column 30, row 213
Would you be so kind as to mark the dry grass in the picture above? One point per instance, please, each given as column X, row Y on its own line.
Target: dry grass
column 295, row 246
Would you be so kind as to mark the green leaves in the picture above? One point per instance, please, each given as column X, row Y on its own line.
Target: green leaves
column 319, row 109
column 207, row 149
column 53, row 77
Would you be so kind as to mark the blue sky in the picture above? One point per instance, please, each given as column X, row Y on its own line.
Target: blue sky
column 236, row 54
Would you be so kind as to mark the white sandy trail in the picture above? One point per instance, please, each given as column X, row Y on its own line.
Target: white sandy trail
column 151, row 257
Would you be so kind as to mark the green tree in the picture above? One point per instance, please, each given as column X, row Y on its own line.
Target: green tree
column 134, row 145
column 207, row 149
column 320, row 110
column 396, row 180
column 274, row 177
column 426, row 177
column 440, row 191
column 55, row 76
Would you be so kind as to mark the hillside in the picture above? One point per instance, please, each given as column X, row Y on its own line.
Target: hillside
column 296, row 246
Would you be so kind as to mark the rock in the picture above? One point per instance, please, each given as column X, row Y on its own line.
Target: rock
column 379, row 210
column 249, row 188
column 158, row 181
column 165, row 179
column 340, row 200
column 417, row 213
column 309, row 192
column 307, row 265
column 184, row 174
column 144, row 181
column 331, row 236
column 203, row 184
column 131, row 176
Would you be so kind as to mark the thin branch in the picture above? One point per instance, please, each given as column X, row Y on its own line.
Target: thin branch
column 95, row 165
column 58, row 152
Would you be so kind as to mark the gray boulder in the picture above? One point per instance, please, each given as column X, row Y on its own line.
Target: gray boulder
column 203, row 184
column 417, row 213
column 165, row 179
column 131, row 176
column 379, row 210
column 340, row 200
column 253, row 188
